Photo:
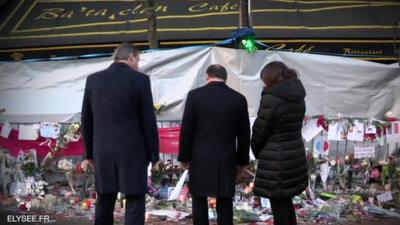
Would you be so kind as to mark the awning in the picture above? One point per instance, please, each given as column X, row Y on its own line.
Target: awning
column 54, row 27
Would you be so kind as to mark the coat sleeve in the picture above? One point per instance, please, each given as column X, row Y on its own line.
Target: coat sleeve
column 243, row 137
column 262, row 126
column 149, row 121
column 87, row 123
column 187, row 131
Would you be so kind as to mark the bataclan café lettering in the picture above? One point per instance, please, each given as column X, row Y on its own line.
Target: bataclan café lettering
column 55, row 13
column 302, row 48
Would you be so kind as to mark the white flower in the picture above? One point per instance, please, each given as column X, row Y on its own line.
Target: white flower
column 383, row 162
column 65, row 164
column 389, row 114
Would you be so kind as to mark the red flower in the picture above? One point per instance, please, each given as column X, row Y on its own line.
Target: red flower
column 392, row 119
column 23, row 207
column 322, row 122
column 79, row 168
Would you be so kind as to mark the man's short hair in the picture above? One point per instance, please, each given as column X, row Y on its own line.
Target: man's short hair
column 217, row 71
column 124, row 50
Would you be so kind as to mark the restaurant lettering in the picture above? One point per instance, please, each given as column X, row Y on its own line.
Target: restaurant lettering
column 350, row 51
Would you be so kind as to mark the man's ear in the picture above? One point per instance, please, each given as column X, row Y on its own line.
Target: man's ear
column 136, row 57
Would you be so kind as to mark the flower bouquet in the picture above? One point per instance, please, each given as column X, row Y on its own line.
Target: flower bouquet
column 68, row 167
column 70, row 134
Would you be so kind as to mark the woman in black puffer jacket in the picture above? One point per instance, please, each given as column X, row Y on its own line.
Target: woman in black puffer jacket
column 277, row 142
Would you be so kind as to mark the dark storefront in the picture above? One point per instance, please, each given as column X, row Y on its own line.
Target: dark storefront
column 53, row 28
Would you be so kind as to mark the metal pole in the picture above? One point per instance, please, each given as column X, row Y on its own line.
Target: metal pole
column 250, row 15
column 151, row 25
column 244, row 13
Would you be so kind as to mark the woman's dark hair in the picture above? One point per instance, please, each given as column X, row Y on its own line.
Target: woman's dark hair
column 275, row 72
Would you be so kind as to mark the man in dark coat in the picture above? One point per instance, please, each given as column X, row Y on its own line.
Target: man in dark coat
column 277, row 142
column 120, row 132
column 214, row 141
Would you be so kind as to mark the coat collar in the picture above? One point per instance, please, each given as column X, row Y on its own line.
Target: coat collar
column 216, row 83
column 119, row 64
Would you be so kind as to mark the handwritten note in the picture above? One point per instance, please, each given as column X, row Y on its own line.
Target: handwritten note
column 5, row 130
column 310, row 130
column 385, row 197
column 357, row 132
column 28, row 132
column 361, row 152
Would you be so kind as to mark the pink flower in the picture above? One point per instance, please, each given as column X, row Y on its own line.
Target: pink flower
column 375, row 173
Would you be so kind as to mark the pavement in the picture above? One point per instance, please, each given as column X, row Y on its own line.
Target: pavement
column 10, row 218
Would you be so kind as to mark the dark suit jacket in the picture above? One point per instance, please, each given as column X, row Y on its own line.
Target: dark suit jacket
column 119, row 128
column 214, row 138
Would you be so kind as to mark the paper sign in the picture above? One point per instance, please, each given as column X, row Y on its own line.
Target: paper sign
column 319, row 202
column 321, row 145
column 177, row 190
column 165, row 192
column 310, row 130
column 357, row 132
column 28, row 132
column 371, row 129
column 265, row 217
column 324, row 171
column 361, row 152
column 393, row 132
column 50, row 130
column 335, row 131
column 5, row 130
column 265, row 203
column 18, row 188
column 385, row 197
column 173, row 214
column 396, row 127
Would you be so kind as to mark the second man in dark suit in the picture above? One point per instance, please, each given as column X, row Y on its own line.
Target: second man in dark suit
column 214, row 142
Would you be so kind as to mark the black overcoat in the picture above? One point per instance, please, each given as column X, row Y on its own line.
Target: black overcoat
column 277, row 142
column 215, row 138
column 119, row 129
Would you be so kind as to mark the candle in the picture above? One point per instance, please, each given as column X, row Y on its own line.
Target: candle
column 85, row 205
column 89, row 203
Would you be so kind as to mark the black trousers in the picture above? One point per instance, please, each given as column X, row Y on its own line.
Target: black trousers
column 135, row 209
column 283, row 211
column 200, row 211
